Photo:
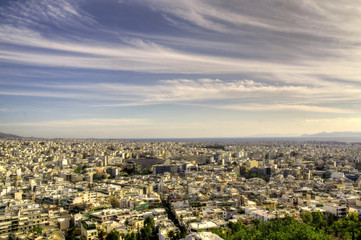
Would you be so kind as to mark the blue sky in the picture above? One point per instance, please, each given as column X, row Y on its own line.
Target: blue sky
column 160, row 68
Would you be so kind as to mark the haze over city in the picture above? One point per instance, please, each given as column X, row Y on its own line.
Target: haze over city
column 161, row 69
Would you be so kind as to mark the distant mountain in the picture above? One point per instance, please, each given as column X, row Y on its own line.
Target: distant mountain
column 6, row 135
column 273, row 135
column 333, row 135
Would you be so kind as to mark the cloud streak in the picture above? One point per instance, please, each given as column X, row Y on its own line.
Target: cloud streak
column 233, row 59
column 303, row 17
column 139, row 56
column 35, row 13
column 143, row 55
column 265, row 97
column 82, row 123
column 285, row 107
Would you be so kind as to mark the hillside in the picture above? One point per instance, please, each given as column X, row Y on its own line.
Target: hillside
column 6, row 135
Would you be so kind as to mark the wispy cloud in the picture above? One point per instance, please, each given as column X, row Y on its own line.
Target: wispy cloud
column 276, row 56
column 136, row 56
column 141, row 56
column 304, row 17
column 82, row 123
column 49, row 94
column 231, row 95
column 35, row 13
column 285, row 107
column 333, row 120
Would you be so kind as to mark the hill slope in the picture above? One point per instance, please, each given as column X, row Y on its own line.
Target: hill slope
column 334, row 134
column 6, row 135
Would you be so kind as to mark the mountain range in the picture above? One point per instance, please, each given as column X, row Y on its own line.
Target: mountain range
column 334, row 136
column 6, row 135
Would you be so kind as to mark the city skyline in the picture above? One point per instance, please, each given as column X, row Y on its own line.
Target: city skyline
column 179, row 69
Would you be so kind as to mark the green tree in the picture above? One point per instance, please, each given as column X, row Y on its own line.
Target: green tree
column 77, row 170
column 149, row 222
column 337, row 228
column 280, row 229
column 294, row 153
column 145, row 233
column 235, row 227
column 38, row 230
column 353, row 225
column 171, row 234
column 114, row 201
column 101, row 234
column 130, row 236
column 307, row 217
column 174, row 235
column 113, row 235
column 318, row 220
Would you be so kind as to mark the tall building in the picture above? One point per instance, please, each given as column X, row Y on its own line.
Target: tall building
column 105, row 161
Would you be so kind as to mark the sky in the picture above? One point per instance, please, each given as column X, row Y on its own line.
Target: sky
column 179, row 69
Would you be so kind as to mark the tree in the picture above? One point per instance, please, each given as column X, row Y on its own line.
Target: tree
column 235, row 227
column 281, row 229
column 352, row 223
column 337, row 228
column 114, row 201
column 307, row 217
column 101, row 234
column 113, row 235
column 294, row 154
column 317, row 220
column 353, row 216
column 77, row 170
column 174, row 235
column 145, row 233
column 38, row 230
column 130, row 236
column 171, row 234
column 149, row 222
column 69, row 235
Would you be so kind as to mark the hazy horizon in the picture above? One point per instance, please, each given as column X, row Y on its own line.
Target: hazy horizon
column 179, row 69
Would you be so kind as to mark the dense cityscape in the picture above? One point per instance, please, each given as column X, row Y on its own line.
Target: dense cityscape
column 180, row 120
column 99, row 189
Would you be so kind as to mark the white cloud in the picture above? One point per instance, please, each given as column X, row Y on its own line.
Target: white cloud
column 50, row 94
column 141, row 56
column 333, row 120
column 323, row 18
column 166, row 91
column 145, row 56
column 284, row 107
column 306, row 55
column 232, row 95
column 82, row 123
column 35, row 13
